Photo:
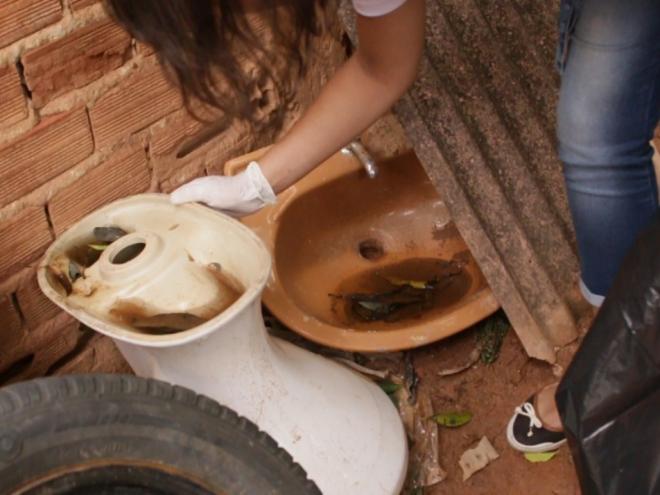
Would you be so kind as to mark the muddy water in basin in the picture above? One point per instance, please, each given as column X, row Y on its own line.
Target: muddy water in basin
column 391, row 295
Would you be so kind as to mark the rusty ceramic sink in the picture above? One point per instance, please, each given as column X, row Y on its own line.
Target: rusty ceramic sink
column 342, row 241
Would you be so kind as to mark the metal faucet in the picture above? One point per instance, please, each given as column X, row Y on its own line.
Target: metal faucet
column 357, row 149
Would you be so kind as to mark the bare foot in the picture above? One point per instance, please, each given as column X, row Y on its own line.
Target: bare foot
column 546, row 408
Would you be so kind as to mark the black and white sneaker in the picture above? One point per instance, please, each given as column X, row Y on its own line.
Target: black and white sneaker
column 526, row 433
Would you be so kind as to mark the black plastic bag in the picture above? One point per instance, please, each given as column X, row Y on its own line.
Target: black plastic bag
column 609, row 398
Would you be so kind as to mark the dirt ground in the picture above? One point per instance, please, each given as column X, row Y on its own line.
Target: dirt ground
column 490, row 393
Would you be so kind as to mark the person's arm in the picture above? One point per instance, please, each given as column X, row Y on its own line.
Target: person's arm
column 364, row 88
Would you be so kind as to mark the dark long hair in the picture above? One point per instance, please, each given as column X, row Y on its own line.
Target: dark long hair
column 216, row 50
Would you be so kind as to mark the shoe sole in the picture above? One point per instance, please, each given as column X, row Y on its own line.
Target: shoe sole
column 541, row 447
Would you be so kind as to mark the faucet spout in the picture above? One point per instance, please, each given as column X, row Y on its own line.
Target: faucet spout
column 357, row 149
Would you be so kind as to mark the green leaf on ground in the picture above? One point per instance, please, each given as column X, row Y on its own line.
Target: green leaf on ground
column 539, row 456
column 452, row 419
column 389, row 387
column 98, row 247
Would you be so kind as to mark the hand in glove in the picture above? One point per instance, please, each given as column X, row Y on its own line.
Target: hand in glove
column 237, row 195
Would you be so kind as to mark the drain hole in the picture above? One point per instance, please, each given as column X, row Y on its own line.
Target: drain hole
column 128, row 253
column 371, row 249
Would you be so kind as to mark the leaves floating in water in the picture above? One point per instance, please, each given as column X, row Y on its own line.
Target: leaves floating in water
column 98, row 247
column 415, row 284
column 490, row 336
column 399, row 291
column 373, row 306
column 108, row 235
column 539, row 456
column 389, row 305
column 167, row 322
column 452, row 419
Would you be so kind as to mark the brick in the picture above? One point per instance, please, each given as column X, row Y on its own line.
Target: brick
column 13, row 107
column 36, row 307
column 18, row 18
column 165, row 141
column 10, row 320
column 79, row 4
column 168, row 136
column 124, row 174
column 11, row 333
column 137, row 102
column 49, row 149
column 23, row 238
column 107, row 358
column 100, row 355
column 82, row 362
column 50, row 343
column 182, row 147
column 144, row 49
column 75, row 60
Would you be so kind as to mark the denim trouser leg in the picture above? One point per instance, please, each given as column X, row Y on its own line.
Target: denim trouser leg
column 609, row 106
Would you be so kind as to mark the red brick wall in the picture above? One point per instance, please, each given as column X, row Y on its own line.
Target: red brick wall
column 86, row 117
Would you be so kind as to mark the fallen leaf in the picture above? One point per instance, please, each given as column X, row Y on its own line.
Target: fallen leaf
column 389, row 387
column 452, row 419
column 540, row 456
column 98, row 247
column 477, row 458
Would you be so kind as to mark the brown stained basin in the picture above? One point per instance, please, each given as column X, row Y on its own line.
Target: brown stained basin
column 337, row 232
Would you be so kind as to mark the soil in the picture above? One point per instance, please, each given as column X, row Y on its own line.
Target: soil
column 490, row 393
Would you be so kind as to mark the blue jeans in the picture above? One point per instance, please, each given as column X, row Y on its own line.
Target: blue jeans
column 609, row 57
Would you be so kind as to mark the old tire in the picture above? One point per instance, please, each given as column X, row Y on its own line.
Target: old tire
column 119, row 434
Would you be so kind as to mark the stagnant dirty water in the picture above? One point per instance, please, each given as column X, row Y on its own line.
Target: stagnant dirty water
column 408, row 289
column 67, row 274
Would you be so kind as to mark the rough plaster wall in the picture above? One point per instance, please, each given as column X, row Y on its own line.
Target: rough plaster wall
column 86, row 117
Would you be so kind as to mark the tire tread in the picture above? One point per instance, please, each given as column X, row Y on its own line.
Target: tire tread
column 20, row 397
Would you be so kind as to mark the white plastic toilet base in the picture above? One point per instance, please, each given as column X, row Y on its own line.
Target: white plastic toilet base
column 340, row 427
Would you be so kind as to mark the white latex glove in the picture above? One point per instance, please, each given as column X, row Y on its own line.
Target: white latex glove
column 237, row 195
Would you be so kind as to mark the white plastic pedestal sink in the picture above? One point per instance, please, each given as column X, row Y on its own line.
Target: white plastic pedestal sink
column 340, row 427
